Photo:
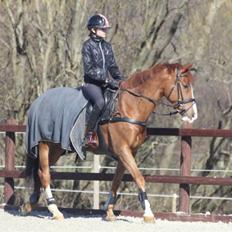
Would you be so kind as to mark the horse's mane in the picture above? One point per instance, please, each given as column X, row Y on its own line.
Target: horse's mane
column 139, row 77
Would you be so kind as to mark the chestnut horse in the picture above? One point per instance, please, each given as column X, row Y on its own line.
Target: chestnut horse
column 138, row 98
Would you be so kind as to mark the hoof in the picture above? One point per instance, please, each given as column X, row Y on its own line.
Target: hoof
column 58, row 216
column 26, row 208
column 110, row 218
column 149, row 219
column 110, row 214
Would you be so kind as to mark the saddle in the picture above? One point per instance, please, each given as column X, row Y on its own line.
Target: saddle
column 109, row 110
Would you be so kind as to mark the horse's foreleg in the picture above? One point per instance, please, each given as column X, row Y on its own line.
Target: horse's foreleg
column 109, row 205
column 129, row 163
column 45, row 178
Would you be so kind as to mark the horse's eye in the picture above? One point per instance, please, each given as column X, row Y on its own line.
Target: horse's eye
column 185, row 85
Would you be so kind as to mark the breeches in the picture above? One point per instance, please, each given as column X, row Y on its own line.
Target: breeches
column 94, row 94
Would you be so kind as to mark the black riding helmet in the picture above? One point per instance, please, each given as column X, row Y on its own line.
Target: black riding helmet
column 98, row 21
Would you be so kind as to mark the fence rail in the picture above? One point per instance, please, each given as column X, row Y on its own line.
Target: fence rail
column 184, row 179
column 164, row 179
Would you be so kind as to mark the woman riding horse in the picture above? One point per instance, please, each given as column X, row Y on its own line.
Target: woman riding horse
column 136, row 101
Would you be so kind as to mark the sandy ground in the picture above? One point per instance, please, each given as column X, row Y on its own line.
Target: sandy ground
column 41, row 222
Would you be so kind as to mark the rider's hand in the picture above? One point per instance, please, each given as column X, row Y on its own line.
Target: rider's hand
column 122, row 85
column 114, row 84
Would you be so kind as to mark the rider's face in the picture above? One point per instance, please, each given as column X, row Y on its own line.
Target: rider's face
column 100, row 32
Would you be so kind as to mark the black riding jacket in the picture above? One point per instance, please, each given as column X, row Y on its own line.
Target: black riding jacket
column 98, row 60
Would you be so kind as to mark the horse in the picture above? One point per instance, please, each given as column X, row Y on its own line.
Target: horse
column 138, row 97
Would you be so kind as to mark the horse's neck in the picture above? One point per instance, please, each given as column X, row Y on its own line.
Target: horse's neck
column 138, row 107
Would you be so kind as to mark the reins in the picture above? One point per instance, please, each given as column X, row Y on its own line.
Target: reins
column 140, row 95
column 181, row 101
column 154, row 102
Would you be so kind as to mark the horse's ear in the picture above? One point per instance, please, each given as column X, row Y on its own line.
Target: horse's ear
column 185, row 68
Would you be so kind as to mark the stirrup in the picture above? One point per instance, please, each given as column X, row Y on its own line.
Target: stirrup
column 91, row 140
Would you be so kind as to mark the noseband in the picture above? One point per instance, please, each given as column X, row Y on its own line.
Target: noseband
column 181, row 101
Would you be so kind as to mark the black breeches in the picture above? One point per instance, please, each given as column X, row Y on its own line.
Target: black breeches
column 94, row 94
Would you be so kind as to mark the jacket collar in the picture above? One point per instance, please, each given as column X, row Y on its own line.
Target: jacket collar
column 95, row 38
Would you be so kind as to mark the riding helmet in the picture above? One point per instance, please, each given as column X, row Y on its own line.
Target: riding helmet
column 98, row 21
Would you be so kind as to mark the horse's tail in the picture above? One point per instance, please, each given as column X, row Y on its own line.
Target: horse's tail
column 32, row 166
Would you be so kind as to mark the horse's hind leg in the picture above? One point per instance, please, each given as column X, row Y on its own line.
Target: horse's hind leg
column 34, row 198
column 109, row 205
column 45, row 178
column 27, row 207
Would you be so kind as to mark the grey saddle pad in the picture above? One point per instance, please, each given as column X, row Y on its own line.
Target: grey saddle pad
column 53, row 117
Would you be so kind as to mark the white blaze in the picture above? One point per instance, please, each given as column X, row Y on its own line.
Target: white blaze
column 185, row 118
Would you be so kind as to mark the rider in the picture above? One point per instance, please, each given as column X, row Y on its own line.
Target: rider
column 99, row 62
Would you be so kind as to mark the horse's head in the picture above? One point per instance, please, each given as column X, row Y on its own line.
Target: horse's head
column 179, row 91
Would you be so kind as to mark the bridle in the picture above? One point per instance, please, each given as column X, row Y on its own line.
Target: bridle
column 178, row 105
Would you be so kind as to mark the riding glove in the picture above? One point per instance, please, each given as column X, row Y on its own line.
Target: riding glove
column 114, row 84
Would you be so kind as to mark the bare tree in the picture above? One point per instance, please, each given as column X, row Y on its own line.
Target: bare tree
column 40, row 48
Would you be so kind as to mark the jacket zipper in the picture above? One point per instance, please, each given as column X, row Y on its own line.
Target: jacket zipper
column 103, row 56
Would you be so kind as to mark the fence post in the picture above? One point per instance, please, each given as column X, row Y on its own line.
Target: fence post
column 185, row 170
column 96, row 169
column 9, row 197
column 174, row 196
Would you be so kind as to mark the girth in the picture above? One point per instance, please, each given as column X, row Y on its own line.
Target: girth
column 110, row 109
column 123, row 119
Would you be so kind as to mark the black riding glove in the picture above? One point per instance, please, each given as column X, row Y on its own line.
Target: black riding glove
column 114, row 84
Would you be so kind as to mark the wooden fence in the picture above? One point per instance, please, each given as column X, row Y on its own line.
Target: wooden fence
column 184, row 179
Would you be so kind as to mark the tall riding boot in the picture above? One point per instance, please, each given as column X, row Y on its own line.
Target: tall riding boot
column 91, row 139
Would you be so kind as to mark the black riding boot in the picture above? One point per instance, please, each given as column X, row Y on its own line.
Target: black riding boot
column 90, row 134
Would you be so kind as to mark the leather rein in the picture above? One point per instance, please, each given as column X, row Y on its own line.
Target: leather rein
column 178, row 104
